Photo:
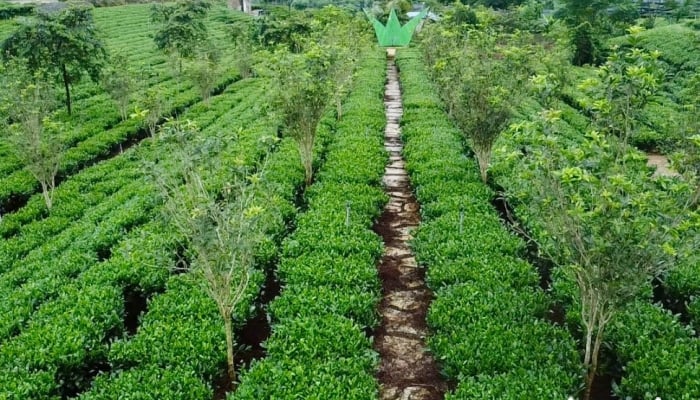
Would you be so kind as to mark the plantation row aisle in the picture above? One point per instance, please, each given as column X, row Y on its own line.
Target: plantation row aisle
column 407, row 370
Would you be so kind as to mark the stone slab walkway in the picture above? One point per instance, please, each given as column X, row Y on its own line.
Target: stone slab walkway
column 407, row 370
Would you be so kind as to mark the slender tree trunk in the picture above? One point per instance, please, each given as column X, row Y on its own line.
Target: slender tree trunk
column 594, row 338
column 483, row 156
column 229, row 348
column 308, row 171
column 306, row 151
column 66, row 84
column 339, row 108
column 46, row 193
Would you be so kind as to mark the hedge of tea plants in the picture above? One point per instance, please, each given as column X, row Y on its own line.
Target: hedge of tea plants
column 646, row 340
column 95, row 130
column 318, row 348
column 488, row 318
column 64, row 338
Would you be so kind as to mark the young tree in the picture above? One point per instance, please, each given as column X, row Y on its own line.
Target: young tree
column 205, row 73
column 489, row 90
column 303, row 88
column 605, row 227
column 344, row 38
column 153, row 110
column 592, row 20
column 61, row 42
column 222, row 227
column 33, row 136
column 242, row 35
column 118, row 80
column 182, row 29
column 603, row 224
column 624, row 85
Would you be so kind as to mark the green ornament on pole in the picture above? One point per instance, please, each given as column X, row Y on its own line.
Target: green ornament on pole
column 393, row 34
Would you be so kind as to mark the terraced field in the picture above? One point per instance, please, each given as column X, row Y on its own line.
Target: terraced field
column 397, row 273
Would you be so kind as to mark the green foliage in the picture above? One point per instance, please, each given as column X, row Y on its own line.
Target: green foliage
column 501, row 4
column 341, row 302
column 100, row 238
column 586, row 45
column 221, row 231
column 120, row 82
column 34, row 138
column 62, row 44
column 487, row 316
column 243, row 39
column 205, row 73
column 282, row 28
column 153, row 383
column 11, row 10
column 588, row 202
column 182, row 29
column 592, row 21
column 463, row 15
column 481, row 95
column 677, row 44
column 304, row 85
column 624, row 86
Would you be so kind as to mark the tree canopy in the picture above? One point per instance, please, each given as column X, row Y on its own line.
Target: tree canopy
column 61, row 43
column 183, row 29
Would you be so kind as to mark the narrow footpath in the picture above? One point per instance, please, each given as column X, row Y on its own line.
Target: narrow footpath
column 407, row 371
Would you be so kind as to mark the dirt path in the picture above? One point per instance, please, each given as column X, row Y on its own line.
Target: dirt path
column 407, row 371
column 663, row 166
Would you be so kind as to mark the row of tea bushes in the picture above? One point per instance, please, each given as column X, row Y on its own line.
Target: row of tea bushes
column 31, row 227
column 66, row 338
column 318, row 348
column 647, row 342
column 79, row 229
column 488, row 318
column 41, row 277
column 96, row 142
column 182, row 332
column 95, row 130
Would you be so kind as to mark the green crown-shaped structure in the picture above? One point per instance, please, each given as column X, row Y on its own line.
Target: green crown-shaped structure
column 393, row 34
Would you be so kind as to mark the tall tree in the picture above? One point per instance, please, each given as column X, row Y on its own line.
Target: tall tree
column 61, row 42
column 488, row 92
column 605, row 225
column 182, row 29
column 205, row 73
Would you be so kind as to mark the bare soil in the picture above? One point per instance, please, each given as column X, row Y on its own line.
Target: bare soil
column 407, row 370
column 663, row 167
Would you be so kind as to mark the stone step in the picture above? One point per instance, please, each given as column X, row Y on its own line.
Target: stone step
column 407, row 393
column 395, row 171
column 398, row 252
column 407, row 301
column 409, row 263
column 394, row 181
column 400, row 194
